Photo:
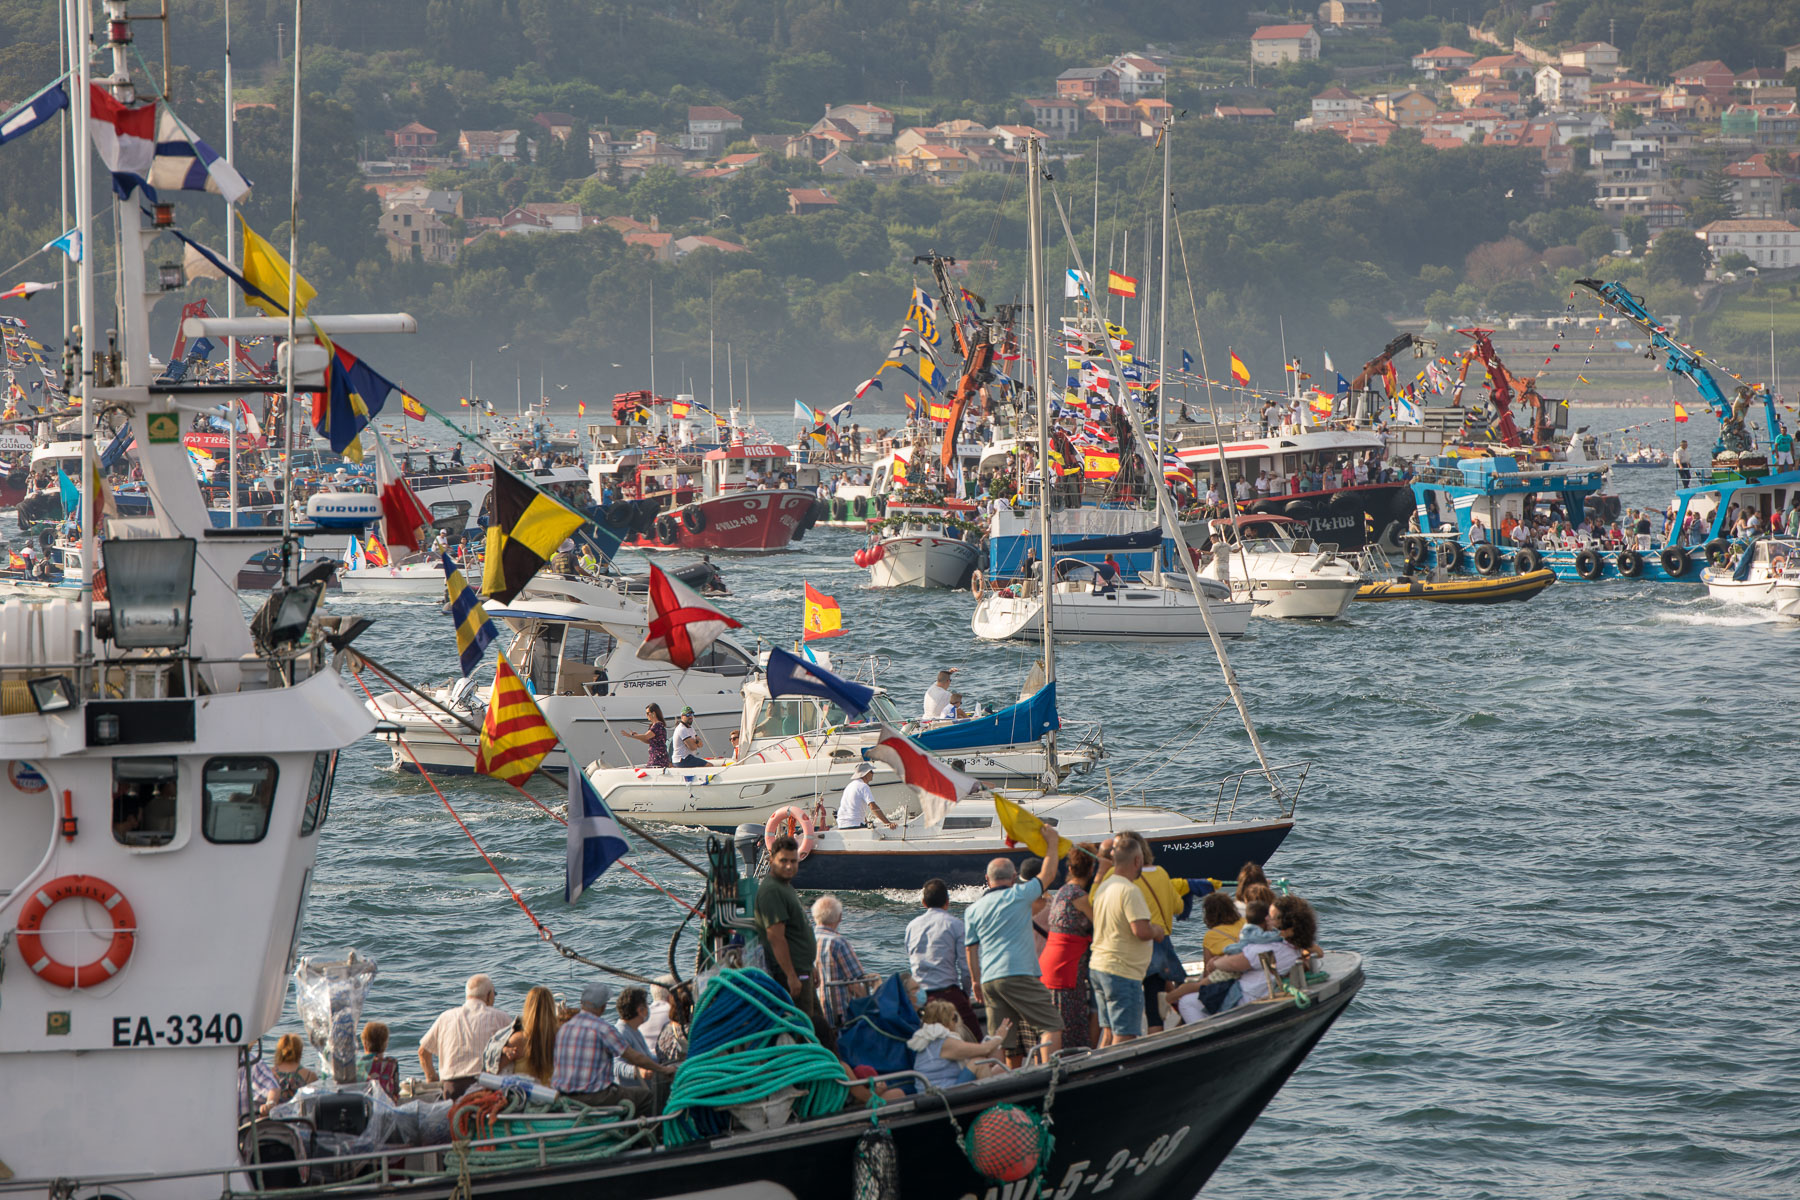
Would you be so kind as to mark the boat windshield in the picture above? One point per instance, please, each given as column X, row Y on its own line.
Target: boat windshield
column 881, row 710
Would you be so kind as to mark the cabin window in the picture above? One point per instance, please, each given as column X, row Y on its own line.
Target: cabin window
column 722, row 660
column 144, row 791
column 591, row 646
column 782, row 718
column 237, row 794
column 318, row 791
column 546, row 653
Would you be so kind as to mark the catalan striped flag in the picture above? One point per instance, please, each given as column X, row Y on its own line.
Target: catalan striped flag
column 473, row 629
column 515, row 738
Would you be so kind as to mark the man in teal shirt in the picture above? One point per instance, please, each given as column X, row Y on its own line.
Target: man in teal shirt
column 1002, row 953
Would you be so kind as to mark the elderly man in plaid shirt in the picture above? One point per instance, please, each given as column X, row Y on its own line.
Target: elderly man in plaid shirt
column 586, row 1046
column 839, row 972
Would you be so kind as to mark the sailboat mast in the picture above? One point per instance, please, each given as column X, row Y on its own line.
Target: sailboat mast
column 293, row 302
column 80, row 33
column 653, row 339
column 1162, row 296
column 1040, row 329
column 231, row 344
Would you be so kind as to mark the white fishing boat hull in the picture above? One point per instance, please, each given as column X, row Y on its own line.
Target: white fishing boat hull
column 1128, row 613
column 1787, row 599
column 1754, row 593
column 922, row 561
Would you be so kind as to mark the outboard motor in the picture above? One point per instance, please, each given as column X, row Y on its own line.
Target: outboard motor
column 749, row 841
column 463, row 695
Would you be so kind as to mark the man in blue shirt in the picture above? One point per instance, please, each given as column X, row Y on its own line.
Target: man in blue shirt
column 1002, row 953
column 934, row 946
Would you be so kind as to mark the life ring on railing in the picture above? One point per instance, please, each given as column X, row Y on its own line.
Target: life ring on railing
column 76, row 887
column 791, row 821
column 976, row 582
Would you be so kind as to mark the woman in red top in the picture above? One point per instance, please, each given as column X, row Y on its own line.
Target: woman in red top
column 1063, row 961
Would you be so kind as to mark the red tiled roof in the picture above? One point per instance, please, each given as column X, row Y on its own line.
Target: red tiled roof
column 1275, row 33
column 711, row 112
column 1445, row 52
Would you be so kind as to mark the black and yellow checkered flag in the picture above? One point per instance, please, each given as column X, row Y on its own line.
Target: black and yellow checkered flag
column 525, row 528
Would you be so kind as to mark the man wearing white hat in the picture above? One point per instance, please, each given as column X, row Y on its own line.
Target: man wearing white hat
column 858, row 800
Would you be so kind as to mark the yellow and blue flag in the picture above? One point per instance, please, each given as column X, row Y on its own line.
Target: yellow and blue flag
column 473, row 628
column 353, row 396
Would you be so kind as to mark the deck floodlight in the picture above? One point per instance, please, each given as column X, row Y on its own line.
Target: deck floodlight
column 285, row 616
column 53, row 693
column 150, row 585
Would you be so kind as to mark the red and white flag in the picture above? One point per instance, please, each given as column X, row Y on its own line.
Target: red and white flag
column 938, row 785
column 402, row 516
column 682, row 625
column 124, row 134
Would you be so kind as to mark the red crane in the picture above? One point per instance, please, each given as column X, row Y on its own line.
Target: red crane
column 1500, row 385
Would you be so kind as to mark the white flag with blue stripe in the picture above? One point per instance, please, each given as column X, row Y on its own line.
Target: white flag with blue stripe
column 184, row 163
column 595, row 840
column 34, row 112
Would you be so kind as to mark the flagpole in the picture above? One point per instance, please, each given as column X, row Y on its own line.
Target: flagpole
column 293, row 274
column 1040, row 329
column 62, row 173
column 80, row 29
column 231, row 251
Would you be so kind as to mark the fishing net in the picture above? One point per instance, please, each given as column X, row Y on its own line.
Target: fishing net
column 877, row 1167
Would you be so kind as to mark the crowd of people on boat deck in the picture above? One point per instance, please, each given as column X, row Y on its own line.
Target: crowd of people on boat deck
column 1635, row 528
column 1087, row 962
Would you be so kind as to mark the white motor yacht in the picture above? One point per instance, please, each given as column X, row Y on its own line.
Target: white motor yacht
column 1770, row 563
column 1085, row 610
column 1282, row 574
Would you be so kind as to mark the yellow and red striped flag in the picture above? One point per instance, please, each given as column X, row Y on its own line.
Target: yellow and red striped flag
column 515, row 738
column 1240, row 374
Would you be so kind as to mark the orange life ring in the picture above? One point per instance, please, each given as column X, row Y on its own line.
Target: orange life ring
column 791, row 821
column 76, row 887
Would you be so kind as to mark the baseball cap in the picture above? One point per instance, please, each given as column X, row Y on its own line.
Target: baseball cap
column 596, row 996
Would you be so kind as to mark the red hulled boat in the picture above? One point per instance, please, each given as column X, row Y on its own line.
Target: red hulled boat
column 744, row 497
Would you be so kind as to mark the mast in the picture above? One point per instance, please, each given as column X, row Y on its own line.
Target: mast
column 1162, row 294
column 293, row 302
column 81, row 32
column 1169, row 518
column 1040, row 349
column 653, row 339
column 231, row 253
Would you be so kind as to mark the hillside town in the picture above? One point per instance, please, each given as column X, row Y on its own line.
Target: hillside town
column 1645, row 144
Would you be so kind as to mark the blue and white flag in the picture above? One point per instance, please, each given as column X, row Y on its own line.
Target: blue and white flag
column 184, row 163
column 1343, row 385
column 921, row 300
column 790, row 675
column 34, row 112
column 595, row 840
column 115, row 449
column 69, row 243
column 1406, row 412
column 1330, row 368
column 1075, row 284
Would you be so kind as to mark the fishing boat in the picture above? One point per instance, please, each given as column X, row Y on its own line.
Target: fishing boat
column 927, row 543
column 1087, row 610
column 1753, row 574
column 1282, row 573
column 730, row 498
column 412, row 575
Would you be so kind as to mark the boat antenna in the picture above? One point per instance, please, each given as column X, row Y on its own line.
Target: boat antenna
column 1040, row 338
column 1169, row 519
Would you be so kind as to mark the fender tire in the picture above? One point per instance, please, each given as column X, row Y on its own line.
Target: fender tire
column 618, row 516
column 1675, row 561
column 1526, row 561
column 1450, row 555
column 1630, row 563
column 1487, row 559
column 667, row 532
column 1413, row 548
column 1718, row 551
column 1589, row 564
column 693, row 519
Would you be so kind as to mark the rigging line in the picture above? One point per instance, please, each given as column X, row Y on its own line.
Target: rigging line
column 551, row 813
column 1187, row 273
column 98, row 212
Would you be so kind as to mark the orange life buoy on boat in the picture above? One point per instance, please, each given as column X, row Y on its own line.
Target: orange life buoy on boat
column 76, row 887
column 791, row 821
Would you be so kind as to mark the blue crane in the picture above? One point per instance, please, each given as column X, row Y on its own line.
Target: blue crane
column 1733, row 433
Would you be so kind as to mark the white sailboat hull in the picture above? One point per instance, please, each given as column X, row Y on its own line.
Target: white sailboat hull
column 1126, row 614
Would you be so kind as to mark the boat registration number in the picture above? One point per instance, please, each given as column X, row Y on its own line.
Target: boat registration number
column 176, row 1029
column 1086, row 1178
column 1203, row 844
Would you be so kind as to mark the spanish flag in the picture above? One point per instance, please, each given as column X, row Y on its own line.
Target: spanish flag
column 1240, row 374
column 376, row 551
column 515, row 738
column 1680, row 412
column 823, row 616
column 525, row 528
column 412, row 407
column 581, row 408
column 679, row 409
column 1120, row 285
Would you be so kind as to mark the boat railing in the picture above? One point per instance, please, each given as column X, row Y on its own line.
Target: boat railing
column 157, row 676
column 1284, row 782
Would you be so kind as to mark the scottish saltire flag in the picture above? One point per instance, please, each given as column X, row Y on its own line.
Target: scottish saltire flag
column 595, row 840
column 473, row 628
column 184, row 163
column 34, row 112
column 790, row 675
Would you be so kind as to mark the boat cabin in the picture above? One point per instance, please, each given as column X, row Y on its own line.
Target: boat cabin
column 744, row 466
column 1724, row 496
column 559, row 654
column 1296, row 463
column 639, row 474
column 771, row 719
column 1453, row 493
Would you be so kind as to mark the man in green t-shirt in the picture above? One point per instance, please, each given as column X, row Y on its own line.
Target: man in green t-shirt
column 787, row 939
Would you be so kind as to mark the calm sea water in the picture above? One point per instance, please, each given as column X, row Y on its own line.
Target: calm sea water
column 1565, row 835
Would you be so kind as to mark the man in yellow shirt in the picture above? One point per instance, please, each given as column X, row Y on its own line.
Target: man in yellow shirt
column 1123, row 934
